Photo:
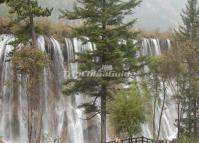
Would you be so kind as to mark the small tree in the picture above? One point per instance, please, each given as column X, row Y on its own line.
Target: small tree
column 30, row 63
column 153, row 84
column 160, row 69
column 128, row 110
column 178, row 80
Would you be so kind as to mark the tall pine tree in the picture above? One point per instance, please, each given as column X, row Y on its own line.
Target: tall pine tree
column 190, row 17
column 187, row 37
column 103, row 25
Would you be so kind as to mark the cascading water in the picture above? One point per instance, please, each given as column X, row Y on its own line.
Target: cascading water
column 61, row 119
column 155, row 47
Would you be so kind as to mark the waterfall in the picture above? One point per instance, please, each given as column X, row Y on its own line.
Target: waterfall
column 154, row 47
column 62, row 121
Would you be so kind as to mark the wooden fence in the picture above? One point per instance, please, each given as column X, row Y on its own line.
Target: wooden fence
column 142, row 140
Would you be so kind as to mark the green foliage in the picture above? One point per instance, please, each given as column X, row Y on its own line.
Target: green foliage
column 23, row 9
column 103, row 25
column 29, row 61
column 168, row 65
column 128, row 110
column 23, row 13
column 160, row 66
column 190, row 18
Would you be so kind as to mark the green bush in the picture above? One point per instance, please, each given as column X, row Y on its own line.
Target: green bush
column 128, row 111
column 29, row 61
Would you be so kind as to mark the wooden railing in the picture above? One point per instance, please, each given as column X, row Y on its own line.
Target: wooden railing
column 134, row 140
column 142, row 140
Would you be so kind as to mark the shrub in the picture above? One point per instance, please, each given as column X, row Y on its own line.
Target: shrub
column 128, row 111
column 29, row 61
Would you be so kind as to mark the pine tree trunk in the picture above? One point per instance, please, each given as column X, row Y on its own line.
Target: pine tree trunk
column 179, row 106
column 154, row 109
column 189, row 96
column 33, row 34
column 162, row 109
column 103, row 96
column 103, row 115
column 30, row 92
column 32, row 26
column 15, row 100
